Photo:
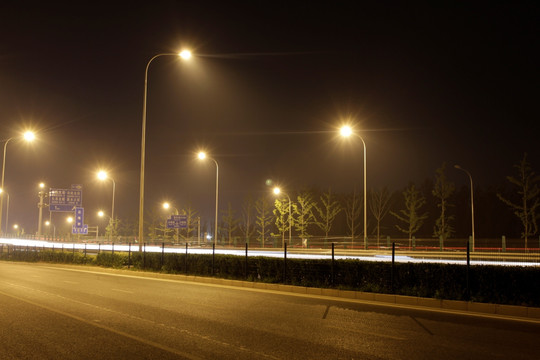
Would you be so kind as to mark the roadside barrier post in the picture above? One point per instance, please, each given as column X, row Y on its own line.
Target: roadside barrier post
column 213, row 256
column 468, row 293
column 185, row 259
column 332, row 278
column 246, row 263
column 393, row 265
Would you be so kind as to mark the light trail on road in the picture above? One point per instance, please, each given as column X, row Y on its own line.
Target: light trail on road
column 294, row 253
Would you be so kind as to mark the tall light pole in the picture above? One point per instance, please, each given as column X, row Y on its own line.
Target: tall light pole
column 472, row 202
column 41, row 195
column 28, row 136
column 346, row 131
column 7, row 207
column 185, row 54
column 102, row 175
column 278, row 191
column 202, row 156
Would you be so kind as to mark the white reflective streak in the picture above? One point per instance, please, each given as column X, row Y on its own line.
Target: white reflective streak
column 241, row 252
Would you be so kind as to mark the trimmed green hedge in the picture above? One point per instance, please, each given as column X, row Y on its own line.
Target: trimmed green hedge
column 492, row 284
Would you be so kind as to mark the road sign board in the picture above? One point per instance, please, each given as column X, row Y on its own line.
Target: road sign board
column 80, row 230
column 79, row 217
column 177, row 222
column 64, row 199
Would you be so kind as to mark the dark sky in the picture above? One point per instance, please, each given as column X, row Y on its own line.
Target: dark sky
column 265, row 93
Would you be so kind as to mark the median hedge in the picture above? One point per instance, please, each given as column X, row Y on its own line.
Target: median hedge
column 513, row 285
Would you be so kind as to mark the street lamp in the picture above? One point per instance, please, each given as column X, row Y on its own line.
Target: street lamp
column 185, row 54
column 48, row 224
column 278, row 191
column 28, row 136
column 41, row 195
column 102, row 175
column 202, row 156
column 472, row 202
column 7, row 206
column 346, row 131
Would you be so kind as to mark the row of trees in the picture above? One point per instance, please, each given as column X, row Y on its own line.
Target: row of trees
column 433, row 209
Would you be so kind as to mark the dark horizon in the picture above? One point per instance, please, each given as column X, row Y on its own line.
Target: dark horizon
column 454, row 84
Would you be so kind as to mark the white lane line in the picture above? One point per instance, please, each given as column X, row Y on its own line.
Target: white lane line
column 118, row 332
column 123, row 291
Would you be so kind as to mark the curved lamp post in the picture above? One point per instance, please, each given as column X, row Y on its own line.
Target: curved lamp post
column 102, row 175
column 472, row 202
column 185, row 54
column 346, row 131
column 202, row 156
column 29, row 136
column 278, row 191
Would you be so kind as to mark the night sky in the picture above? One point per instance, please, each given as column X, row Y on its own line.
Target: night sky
column 268, row 87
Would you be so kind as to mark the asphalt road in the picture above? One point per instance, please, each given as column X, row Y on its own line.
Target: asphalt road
column 50, row 312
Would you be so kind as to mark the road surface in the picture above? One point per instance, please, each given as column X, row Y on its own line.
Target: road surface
column 56, row 312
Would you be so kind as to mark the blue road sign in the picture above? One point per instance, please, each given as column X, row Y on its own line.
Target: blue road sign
column 64, row 200
column 79, row 217
column 82, row 230
column 177, row 222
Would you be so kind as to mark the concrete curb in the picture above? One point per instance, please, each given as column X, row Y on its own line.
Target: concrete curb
column 509, row 311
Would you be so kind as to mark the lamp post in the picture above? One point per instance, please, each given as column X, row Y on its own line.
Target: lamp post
column 278, row 191
column 202, row 156
column 48, row 224
column 472, row 202
column 29, row 137
column 102, row 175
column 346, row 131
column 7, row 207
column 69, row 220
column 166, row 206
column 41, row 195
column 185, row 54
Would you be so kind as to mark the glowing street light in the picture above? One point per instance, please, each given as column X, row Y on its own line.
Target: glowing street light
column 102, row 175
column 167, row 206
column 278, row 191
column 346, row 131
column 28, row 136
column 184, row 54
column 472, row 203
column 48, row 224
column 202, row 156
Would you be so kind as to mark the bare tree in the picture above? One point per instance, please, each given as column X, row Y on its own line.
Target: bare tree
column 527, row 188
column 327, row 212
column 442, row 191
column 414, row 200
column 230, row 223
column 247, row 225
column 353, row 210
column 264, row 218
column 379, row 206
column 305, row 217
column 192, row 220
